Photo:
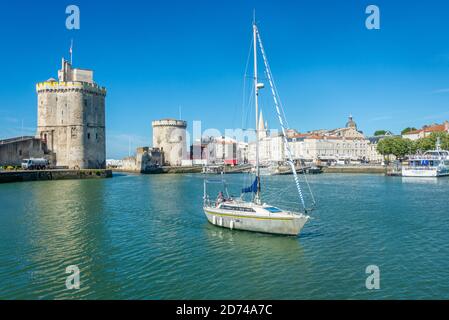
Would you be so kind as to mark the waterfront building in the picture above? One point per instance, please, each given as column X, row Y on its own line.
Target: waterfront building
column 341, row 145
column 373, row 155
column 222, row 150
column 271, row 149
column 198, row 153
column 426, row 131
column 322, row 148
column 169, row 136
column 347, row 144
column 71, row 118
column 14, row 150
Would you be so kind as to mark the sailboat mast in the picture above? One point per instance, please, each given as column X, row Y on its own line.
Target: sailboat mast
column 256, row 103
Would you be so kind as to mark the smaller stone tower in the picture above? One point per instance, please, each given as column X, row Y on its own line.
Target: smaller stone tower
column 169, row 135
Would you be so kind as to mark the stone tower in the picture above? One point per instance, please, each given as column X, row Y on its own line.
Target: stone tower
column 71, row 118
column 169, row 136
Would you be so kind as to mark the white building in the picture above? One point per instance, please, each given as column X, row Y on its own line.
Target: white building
column 343, row 144
column 329, row 148
column 225, row 150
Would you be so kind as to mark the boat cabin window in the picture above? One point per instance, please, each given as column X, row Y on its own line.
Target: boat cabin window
column 273, row 209
column 245, row 209
column 425, row 163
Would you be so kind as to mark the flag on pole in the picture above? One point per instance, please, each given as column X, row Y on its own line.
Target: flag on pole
column 71, row 52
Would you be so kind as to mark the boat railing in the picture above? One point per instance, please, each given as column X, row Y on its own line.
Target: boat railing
column 210, row 203
column 420, row 168
column 427, row 157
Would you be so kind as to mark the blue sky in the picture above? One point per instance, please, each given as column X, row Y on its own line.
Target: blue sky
column 155, row 56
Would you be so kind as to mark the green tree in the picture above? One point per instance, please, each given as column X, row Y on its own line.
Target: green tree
column 429, row 143
column 396, row 146
column 407, row 130
column 380, row 133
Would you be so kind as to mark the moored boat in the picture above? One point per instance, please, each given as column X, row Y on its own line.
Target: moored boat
column 255, row 215
column 434, row 163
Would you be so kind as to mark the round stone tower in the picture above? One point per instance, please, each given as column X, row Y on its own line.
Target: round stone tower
column 169, row 135
column 71, row 118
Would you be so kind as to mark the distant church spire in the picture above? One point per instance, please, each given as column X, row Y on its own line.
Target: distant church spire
column 262, row 127
column 261, row 123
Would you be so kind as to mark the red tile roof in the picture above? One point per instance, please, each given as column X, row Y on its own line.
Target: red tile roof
column 435, row 128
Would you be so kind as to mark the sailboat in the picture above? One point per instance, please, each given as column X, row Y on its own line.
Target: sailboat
column 255, row 215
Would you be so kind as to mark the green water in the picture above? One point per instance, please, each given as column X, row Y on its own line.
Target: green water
column 146, row 237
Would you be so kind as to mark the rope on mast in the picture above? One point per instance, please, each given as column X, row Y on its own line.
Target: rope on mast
column 281, row 121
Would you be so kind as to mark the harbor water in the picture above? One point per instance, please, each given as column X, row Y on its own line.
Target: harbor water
column 146, row 237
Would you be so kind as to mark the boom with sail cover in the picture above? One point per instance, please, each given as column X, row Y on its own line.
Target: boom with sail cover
column 252, row 188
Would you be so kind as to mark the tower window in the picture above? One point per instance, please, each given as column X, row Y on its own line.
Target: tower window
column 88, row 136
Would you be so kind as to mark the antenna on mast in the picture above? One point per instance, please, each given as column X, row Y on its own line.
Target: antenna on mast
column 71, row 52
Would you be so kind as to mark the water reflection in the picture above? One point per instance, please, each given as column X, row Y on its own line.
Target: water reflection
column 66, row 225
column 421, row 180
column 253, row 244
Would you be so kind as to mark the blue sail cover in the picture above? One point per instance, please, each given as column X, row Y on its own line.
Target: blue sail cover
column 252, row 188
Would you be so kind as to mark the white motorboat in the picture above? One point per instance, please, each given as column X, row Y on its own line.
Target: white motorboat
column 434, row 163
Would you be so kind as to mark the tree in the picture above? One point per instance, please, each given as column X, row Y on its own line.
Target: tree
column 407, row 130
column 396, row 146
column 429, row 143
column 380, row 133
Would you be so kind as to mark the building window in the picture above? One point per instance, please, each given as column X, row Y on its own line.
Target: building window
column 88, row 136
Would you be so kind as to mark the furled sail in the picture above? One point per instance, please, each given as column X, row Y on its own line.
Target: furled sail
column 252, row 188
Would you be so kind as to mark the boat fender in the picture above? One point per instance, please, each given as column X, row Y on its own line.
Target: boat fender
column 220, row 222
column 214, row 220
column 231, row 224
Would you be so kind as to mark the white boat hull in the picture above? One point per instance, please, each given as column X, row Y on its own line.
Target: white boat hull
column 407, row 172
column 291, row 225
